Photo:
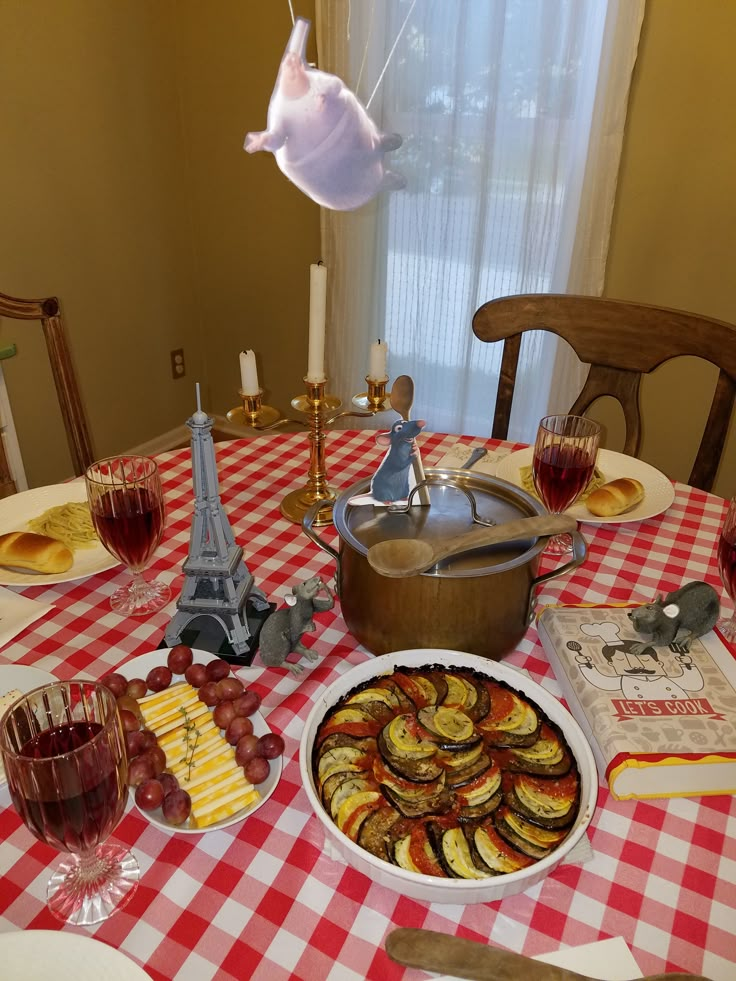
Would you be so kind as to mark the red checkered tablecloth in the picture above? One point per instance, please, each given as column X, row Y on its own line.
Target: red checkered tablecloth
column 263, row 899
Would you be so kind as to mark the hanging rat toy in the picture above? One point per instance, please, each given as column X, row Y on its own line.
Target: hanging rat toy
column 322, row 137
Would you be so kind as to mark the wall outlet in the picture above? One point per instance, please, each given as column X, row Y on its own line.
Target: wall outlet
column 178, row 367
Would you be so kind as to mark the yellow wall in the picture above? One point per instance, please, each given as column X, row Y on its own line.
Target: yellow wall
column 126, row 192
column 674, row 230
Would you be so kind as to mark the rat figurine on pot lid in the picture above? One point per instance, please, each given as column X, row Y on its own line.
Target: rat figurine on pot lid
column 321, row 135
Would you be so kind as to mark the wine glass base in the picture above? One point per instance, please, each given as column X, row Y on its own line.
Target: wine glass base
column 728, row 629
column 88, row 890
column 140, row 598
column 559, row 545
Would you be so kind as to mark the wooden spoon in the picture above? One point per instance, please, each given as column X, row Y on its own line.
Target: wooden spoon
column 461, row 958
column 401, row 557
column 401, row 398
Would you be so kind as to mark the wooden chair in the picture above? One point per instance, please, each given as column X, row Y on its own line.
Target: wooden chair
column 67, row 390
column 621, row 341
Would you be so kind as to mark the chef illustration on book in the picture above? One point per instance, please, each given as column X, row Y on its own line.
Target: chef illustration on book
column 640, row 675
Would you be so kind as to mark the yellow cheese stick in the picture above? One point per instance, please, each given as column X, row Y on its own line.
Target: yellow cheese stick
column 181, row 756
column 168, row 694
column 218, row 767
column 219, row 808
column 161, row 714
column 194, row 712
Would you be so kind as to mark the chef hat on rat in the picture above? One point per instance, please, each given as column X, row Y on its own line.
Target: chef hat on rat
column 322, row 137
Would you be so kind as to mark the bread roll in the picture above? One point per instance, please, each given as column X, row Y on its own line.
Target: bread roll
column 615, row 497
column 38, row 553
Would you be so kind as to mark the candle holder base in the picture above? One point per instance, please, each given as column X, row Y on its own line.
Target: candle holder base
column 374, row 400
column 266, row 416
column 296, row 504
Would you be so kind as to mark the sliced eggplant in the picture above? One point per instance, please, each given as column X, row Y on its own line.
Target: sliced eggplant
column 512, row 721
column 449, row 728
column 439, row 802
column 383, row 694
column 459, row 778
column 338, row 759
column 454, row 855
column 355, row 809
column 403, row 739
column 478, row 812
column 331, row 784
column 367, row 744
column 496, row 853
column 458, row 758
column 460, row 693
column 548, row 801
column 482, row 703
column 374, row 831
column 548, row 755
column 414, row 852
column 480, row 789
column 386, row 775
column 421, row 770
column 529, row 838
column 347, row 788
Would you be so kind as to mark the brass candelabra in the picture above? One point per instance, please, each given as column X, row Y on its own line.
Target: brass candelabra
column 317, row 411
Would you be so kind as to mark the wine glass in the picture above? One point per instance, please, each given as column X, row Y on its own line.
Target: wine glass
column 63, row 749
column 727, row 568
column 565, row 452
column 127, row 507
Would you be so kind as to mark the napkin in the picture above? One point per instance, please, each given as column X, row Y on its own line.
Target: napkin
column 459, row 453
column 18, row 612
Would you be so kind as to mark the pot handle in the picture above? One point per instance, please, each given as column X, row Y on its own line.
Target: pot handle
column 308, row 528
column 579, row 554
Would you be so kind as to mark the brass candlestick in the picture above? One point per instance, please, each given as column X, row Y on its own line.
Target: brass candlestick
column 318, row 412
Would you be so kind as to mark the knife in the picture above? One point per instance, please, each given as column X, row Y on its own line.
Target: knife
column 441, row 952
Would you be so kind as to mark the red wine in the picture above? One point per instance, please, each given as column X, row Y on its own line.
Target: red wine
column 77, row 801
column 560, row 475
column 129, row 523
column 727, row 565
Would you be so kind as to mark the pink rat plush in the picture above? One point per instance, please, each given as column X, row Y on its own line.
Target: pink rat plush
column 322, row 137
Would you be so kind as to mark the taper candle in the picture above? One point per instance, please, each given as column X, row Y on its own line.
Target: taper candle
column 377, row 369
column 317, row 308
column 248, row 373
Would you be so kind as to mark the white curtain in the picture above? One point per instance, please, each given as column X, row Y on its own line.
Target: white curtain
column 512, row 115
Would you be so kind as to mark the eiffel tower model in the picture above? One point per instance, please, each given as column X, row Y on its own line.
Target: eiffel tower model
column 217, row 582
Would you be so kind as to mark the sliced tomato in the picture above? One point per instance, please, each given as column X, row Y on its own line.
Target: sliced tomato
column 422, row 854
column 357, row 729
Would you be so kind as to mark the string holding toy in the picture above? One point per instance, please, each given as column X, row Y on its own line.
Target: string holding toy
column 322, row 137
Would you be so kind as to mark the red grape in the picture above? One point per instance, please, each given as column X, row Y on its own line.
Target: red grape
column 148, row 740
column 248, row 703
column 140, row 769
column 137, row 688
column 177, row 806
column 229, row 688
column 217, row 670
column 158, row 759
column 223, row 714
column 168, row 781
column 149, row 795
column 179, row 659
column 208, row 693
column 134, row 743
column 245, row 751
column 158, row 679
column 239, row 727
column 115, row 682
column 196, row 675
column 270, row 745
column 128, row 704
column 131, row 723
column 257, row 770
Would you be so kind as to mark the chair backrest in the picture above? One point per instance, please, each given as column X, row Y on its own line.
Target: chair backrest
column 620, row 341
column 47, row 311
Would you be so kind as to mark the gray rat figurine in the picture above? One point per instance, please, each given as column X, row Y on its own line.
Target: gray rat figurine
column 680, row 617
column 281, row 633
column 391, row 481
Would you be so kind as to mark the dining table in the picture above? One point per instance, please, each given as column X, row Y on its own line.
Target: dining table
column 266, row 897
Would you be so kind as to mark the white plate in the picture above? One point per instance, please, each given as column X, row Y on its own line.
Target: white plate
column 658, row 490
column 138, row 667
column 25, row 678
column 15, row 513
column 37, row 955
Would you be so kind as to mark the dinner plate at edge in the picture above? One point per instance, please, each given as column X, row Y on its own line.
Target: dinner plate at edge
column 23, row 678
column 18, row 510
column 428, row 888
column 138, row 667
column 659, row 492
column 37, row 955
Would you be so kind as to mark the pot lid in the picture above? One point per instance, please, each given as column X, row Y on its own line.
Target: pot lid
column 452, row 494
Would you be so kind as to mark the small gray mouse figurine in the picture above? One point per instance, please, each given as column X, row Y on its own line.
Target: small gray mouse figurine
column 391, row 480
column 281, row 633
column 680, row 617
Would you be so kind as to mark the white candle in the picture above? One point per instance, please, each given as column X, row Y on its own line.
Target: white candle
column 377, row 370
column 317, row 308
column 248, row 373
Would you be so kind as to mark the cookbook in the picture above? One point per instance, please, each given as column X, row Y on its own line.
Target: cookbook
column 662, row 722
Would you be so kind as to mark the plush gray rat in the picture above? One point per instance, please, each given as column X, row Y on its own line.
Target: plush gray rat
column 679, row 617
column 281, row 633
